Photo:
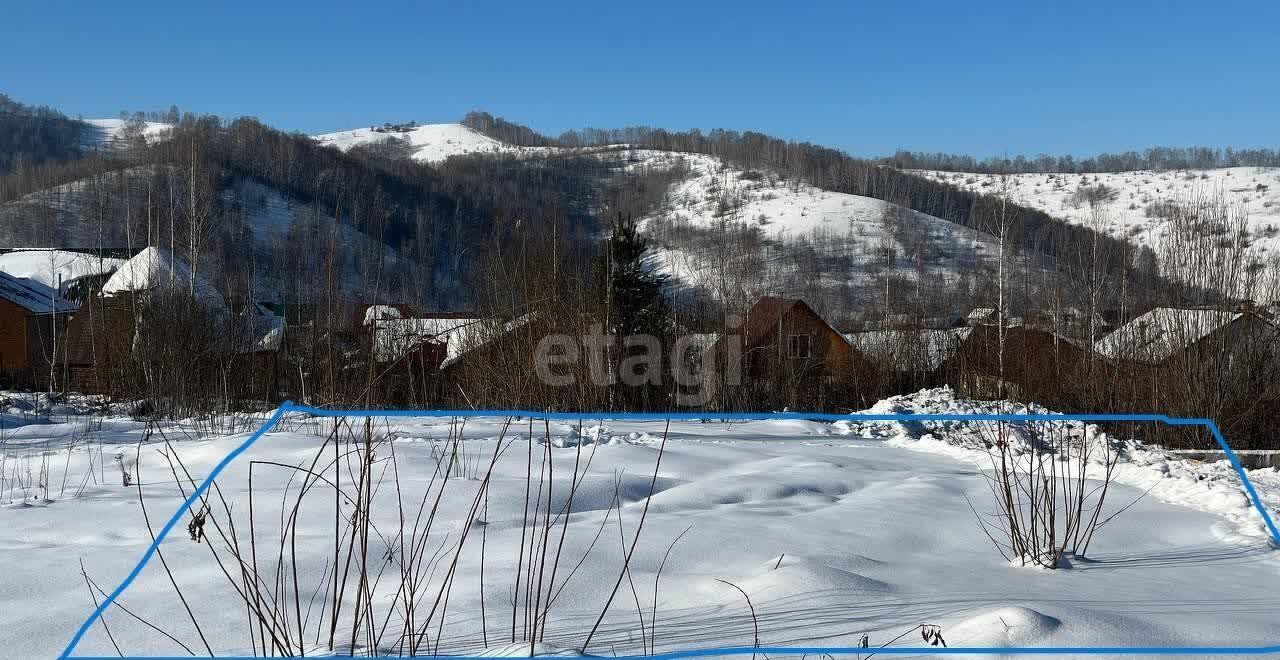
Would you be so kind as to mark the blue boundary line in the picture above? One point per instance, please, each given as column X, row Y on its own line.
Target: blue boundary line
column 289, row 406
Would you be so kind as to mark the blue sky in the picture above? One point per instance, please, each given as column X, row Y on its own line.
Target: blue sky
column 1003, row 77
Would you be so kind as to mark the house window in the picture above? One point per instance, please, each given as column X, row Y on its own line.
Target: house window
column 800, row 346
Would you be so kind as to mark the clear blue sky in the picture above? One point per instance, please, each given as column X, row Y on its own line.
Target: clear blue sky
column 1014, row 76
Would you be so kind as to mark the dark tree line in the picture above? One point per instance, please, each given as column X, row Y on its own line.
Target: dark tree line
column 1154, row 158
column 433, row 218
column 506, row 238
column 31, row 135
column 505, row 131
column 831, row 169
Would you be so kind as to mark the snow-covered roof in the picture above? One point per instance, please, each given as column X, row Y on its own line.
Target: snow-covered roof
column 981, row 313
column 265, row 330
column 701, row 340
column 394, row 338
column 54, row 267
column 910, row 350
column 381, row 313
column 1162, row 332
column 32, row 295
column 153, row 268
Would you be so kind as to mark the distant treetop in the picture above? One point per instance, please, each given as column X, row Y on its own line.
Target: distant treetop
column 1155, row 158
column 506, row 131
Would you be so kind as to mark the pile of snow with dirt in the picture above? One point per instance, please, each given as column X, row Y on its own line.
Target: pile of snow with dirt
column 1211, row 487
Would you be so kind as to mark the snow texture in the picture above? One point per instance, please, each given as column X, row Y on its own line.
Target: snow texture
column 833, row 530
column 1125, row 209
column 108, row 134
column 430, row 143
column 1162, row 332
column 873, row 235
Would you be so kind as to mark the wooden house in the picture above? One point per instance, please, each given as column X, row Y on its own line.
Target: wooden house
column 1165, row 335
column 98, row 344
column 911, row 360
column 789, row 356
column 32, row 320
column 1212, row 363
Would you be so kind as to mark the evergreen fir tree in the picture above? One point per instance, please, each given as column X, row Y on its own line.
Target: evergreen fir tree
column 631, row 293
column 632, row 287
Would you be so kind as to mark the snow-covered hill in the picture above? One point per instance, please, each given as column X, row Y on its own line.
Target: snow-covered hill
column 1130, row 201
column 109, row 133
column 430, row 143
column 858, row 242
column 271, row 221
column 279, row 223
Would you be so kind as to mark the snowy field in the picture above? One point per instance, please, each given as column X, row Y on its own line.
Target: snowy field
column 833, row 531
column 1125, row 211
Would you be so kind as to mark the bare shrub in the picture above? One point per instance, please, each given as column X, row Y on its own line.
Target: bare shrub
column 1050, row 482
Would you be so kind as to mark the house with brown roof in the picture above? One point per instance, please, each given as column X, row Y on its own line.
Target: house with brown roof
column 110, row 332
column 32, row 319
column 792, row 357
column 1023, row 363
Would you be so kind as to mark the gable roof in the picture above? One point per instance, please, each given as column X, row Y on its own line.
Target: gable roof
column 32, row 295
column 152, row 268
column 393, row 338
column 1160, row 333
column 51, row 267
column 910, row 350
column 765, row 314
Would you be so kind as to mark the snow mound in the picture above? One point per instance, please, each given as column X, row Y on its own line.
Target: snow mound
column 600, row 435
column 1007, row 626
column 797, row 574
column 1209, row 487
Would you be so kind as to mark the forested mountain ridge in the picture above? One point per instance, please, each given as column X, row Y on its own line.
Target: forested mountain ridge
column 449, row 216
column 240, row 196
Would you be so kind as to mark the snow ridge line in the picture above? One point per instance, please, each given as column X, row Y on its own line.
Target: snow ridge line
column 289, row 406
